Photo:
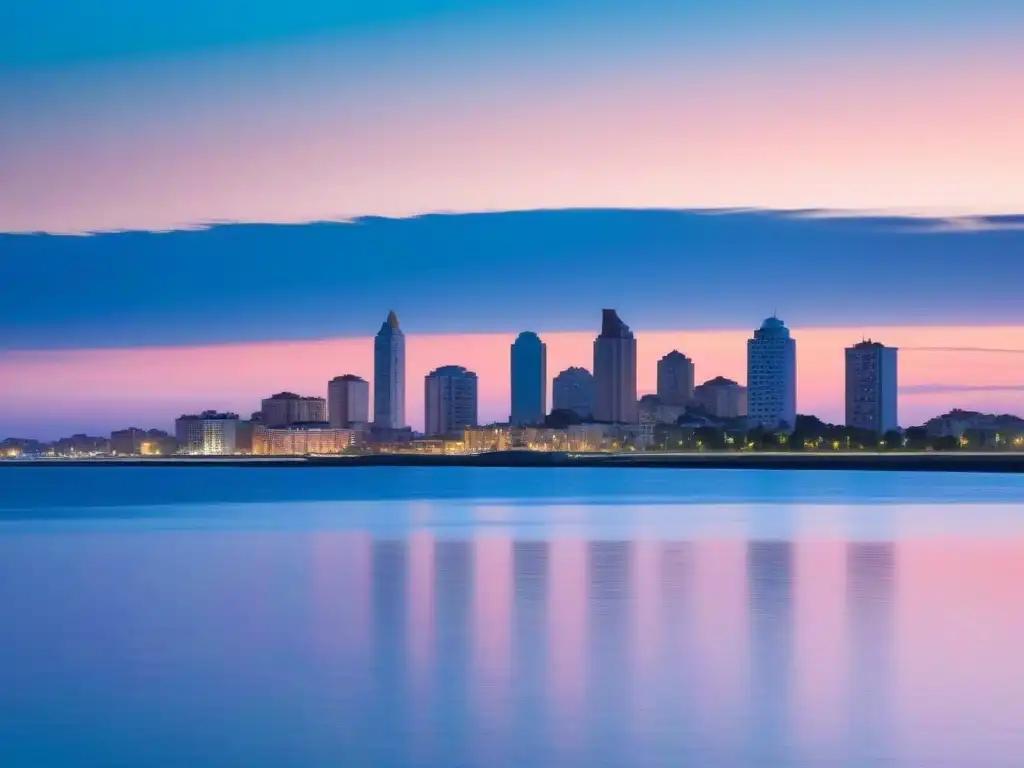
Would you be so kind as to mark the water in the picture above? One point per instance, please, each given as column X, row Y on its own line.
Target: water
column 490, row 617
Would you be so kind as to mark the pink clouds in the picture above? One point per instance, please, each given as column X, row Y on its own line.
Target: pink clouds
column 265, row 138
column 151, row 386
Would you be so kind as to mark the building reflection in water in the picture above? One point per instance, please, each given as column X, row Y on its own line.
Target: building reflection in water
column 497, row 651
column 870, row 596
column 770, row 574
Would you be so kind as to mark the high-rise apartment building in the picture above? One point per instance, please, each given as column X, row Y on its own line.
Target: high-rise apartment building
column 348, row 401
column 871, row 387
column 771, row 376
column 450, row 400
column 615, row 371
column 207, row 434
column 675, row 379
column 573, row 390
column 529, row 366
column 287, row 408
column 389, row 375
column 721, row 397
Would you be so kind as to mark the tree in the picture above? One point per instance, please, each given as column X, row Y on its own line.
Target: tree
column 561, row 418
column 893, row 440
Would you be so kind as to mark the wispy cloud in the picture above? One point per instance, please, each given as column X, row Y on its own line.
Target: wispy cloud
column 929, row 389
column 985, row 350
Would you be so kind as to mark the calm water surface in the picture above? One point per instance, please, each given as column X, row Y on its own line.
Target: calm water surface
column 493, row 617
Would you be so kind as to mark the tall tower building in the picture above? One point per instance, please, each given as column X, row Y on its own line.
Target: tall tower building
column 675, row 379
column 389, row 375
column 573, row 390
column 771, row 376
column 871, row 387
column 348, row 401
column 615, row 371
column 529, row 357
column 450, row 400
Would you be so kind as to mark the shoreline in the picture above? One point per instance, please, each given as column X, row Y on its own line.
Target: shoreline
column 929, row 461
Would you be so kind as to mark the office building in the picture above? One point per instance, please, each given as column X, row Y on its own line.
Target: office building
column 721, row 397
column 287, row 408
column 573, row 390
column 389, row 376
column 207, row 434
column 675, row 379
column 450, row 401
column 348, row 401
column 615, row 371
column 771, row 376
column 871, row 387
column 302, row 439
column 529, row 366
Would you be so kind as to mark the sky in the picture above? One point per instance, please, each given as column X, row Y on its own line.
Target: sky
column 257, row 177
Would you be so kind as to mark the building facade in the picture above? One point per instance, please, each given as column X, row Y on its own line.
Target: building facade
column 721, row 397
column 651, row 410
column 389, row 375
column 573, row 390
column 348, row 401
column 286, row 408
column 675, row 379
column 207, row 434
column 142, row 442
column 771, row 376
column 615, row 371
column 871, row 387
column 450, row 401
column 302, row 439
column 529, row 367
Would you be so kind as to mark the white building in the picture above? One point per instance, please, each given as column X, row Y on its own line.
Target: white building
column 721, row 397
column 771, row 376
column 871, row 387
column 287, row 408
column 450, row 400
column 348, row 401
column 615, row 372
column 389, row 375
column 207, row 434
column 573, row 390
column 675, row 379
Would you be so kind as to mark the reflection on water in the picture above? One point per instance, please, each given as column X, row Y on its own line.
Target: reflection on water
column 494, row 648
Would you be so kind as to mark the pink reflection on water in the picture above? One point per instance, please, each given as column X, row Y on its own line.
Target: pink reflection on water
column 821, row 647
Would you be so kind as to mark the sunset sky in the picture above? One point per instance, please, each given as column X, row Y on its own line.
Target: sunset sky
column 124, row 117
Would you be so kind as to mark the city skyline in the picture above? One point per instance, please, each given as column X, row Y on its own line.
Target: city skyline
column 715, row 355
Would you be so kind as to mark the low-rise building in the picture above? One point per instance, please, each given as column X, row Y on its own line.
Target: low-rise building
column 721, row 397
column 207, row 434
column 486, row 439
column 302, row 439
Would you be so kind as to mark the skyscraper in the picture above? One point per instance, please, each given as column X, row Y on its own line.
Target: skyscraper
column 348, row 401
column 871, row 387
column 675, row 379
column 771, row 376
column 615, row 371
column 529, row 357
column 389, row 375
column 450, row 400
column 573, row 390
